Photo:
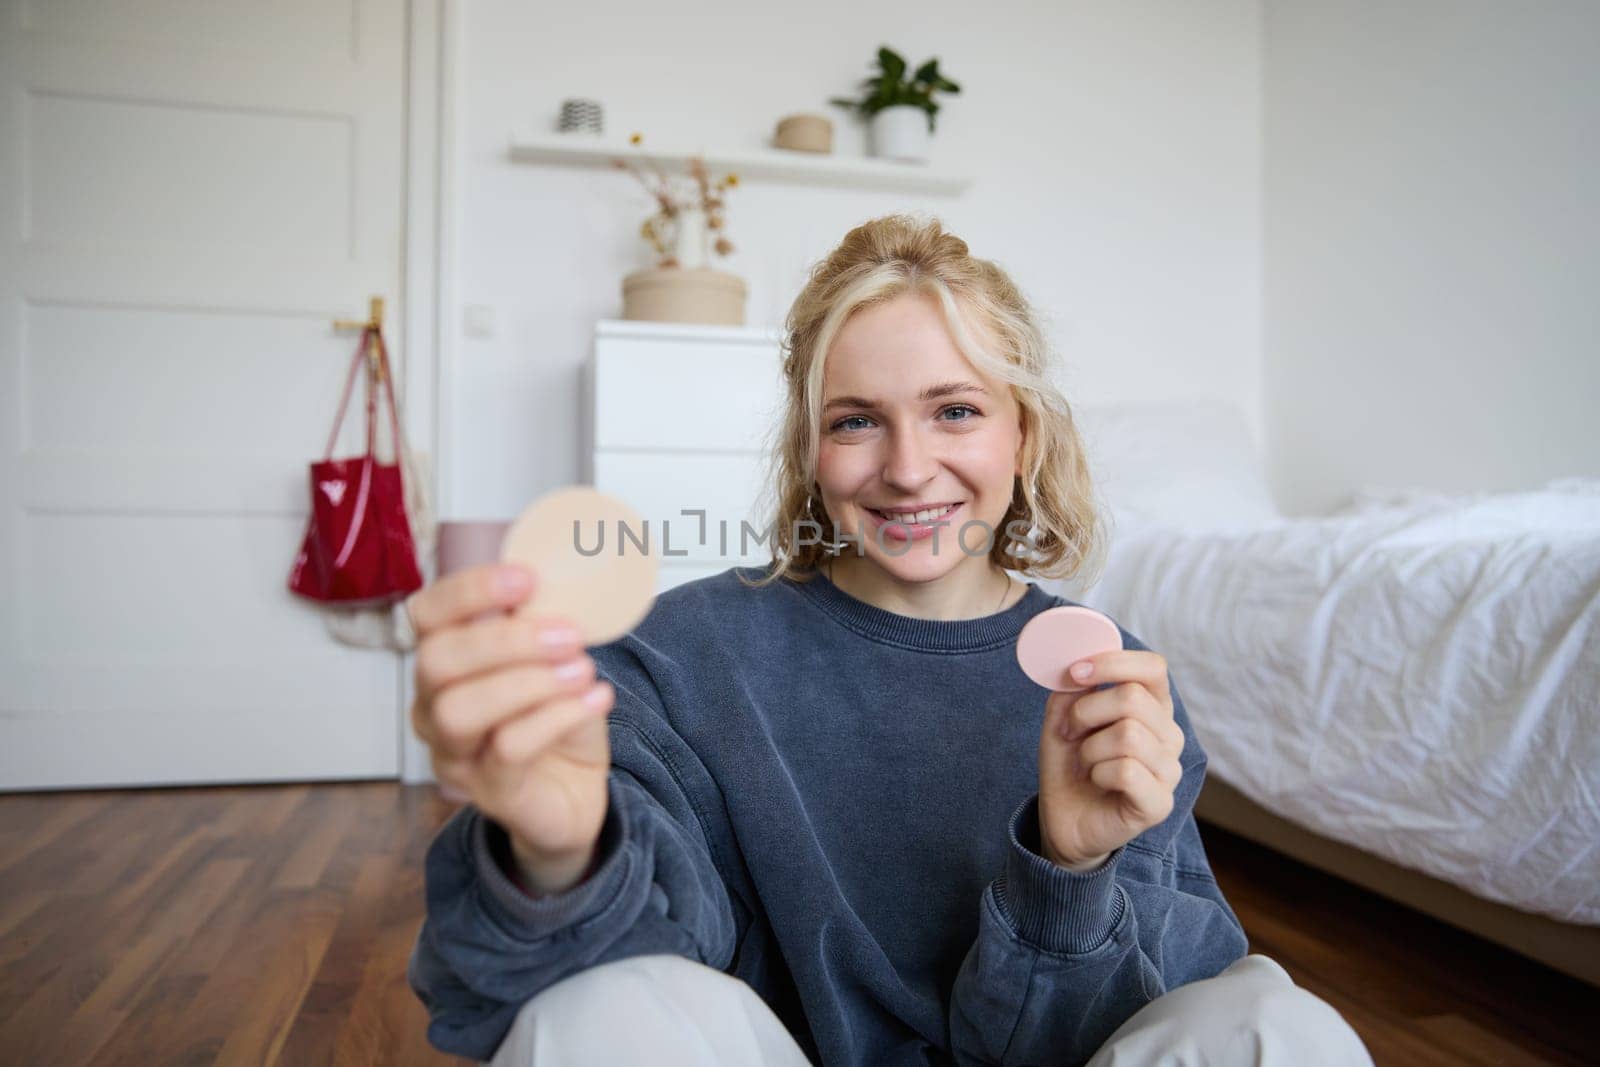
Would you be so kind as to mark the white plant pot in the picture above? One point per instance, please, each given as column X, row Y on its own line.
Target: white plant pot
column 901, row 132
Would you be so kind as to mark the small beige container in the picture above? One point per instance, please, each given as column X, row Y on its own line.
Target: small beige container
column 804, row 133
column 683, row 294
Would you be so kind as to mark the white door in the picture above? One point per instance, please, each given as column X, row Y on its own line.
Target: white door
column 190, row 191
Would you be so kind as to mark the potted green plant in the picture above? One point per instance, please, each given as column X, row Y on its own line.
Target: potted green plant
column 895, row 106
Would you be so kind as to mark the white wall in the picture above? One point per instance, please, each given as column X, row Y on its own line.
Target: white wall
column 1116, row 148
column 1432, row 245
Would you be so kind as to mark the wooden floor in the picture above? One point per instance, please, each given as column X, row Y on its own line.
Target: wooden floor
column 251, row 925
column 1417, row 990
column 260, row 925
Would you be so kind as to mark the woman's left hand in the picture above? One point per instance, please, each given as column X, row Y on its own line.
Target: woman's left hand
column 1108, row 759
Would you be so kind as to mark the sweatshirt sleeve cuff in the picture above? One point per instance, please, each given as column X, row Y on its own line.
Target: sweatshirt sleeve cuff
column 1069, row 912
column 534, row 917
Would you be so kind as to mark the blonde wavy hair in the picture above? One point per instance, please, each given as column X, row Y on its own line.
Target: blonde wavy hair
column 876, row 262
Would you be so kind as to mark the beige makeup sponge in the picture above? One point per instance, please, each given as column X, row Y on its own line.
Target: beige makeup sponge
column 606, row 593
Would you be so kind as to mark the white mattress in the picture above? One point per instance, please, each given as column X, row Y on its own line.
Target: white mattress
column 1418, row 675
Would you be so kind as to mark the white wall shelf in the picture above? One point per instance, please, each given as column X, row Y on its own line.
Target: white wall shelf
column 688, row 331
column 770, row 164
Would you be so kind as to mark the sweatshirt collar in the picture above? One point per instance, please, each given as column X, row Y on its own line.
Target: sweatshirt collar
column 927, row 635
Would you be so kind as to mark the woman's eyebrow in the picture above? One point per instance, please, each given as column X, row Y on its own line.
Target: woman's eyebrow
column 932, row 392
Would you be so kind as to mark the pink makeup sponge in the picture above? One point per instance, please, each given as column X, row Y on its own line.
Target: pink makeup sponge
column 1055, row 639
column 605, row 594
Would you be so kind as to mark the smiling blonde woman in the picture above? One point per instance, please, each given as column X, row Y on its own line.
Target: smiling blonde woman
column 828, row 818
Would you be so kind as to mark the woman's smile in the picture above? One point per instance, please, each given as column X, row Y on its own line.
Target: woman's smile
column 912, row 524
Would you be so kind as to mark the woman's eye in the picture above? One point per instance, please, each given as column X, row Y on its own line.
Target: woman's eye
column 846, row 422
column 968, row 411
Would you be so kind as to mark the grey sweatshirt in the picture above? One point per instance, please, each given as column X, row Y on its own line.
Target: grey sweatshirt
column 837, row 804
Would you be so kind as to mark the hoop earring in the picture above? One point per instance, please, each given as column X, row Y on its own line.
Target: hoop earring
column 832, row 548
column 1029, row 549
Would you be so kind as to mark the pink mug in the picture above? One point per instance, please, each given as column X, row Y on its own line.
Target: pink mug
column 463, row 544
column 469, row 543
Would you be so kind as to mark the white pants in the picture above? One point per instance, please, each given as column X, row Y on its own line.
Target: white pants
column 669, row 1011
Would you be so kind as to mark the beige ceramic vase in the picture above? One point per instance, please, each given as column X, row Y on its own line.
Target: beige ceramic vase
column 684, row 294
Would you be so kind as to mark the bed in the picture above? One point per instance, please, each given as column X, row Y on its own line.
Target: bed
column 1403, row 692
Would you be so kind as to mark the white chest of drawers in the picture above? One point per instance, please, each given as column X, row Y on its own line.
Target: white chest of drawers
column 680, row 418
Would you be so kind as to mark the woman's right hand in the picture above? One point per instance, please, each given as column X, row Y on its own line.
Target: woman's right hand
column 514, row 716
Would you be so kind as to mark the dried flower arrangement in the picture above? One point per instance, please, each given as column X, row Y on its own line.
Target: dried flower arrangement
column 661, row 228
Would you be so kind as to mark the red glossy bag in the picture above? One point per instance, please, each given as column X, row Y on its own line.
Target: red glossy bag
column 358, row 549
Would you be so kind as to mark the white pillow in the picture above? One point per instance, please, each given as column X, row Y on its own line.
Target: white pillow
column 1190, row 465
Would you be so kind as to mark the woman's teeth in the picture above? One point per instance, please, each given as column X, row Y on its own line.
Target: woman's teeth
column 917, row 518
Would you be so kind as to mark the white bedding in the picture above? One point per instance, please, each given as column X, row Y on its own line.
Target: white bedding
column 1418, row 675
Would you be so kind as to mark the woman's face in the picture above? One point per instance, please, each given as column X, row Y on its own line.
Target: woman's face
column 909, row 425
